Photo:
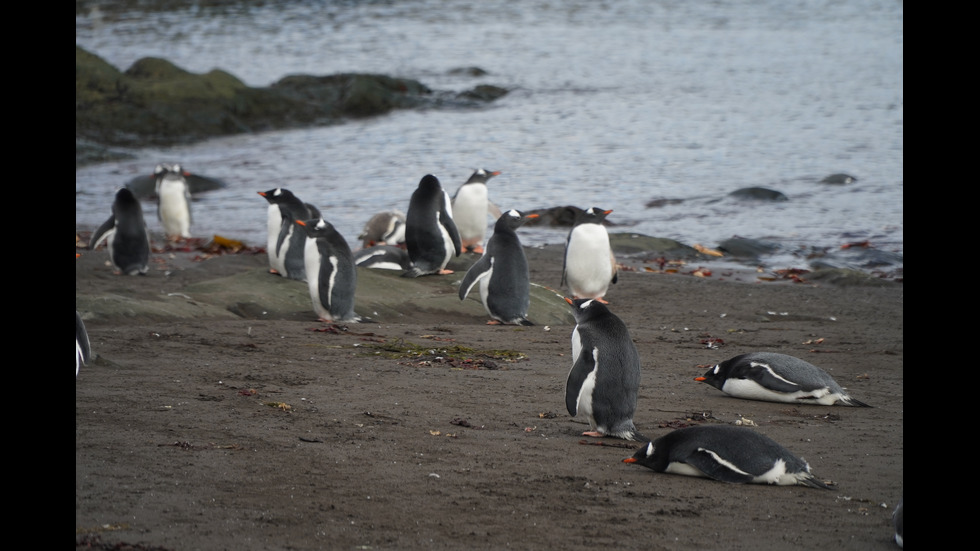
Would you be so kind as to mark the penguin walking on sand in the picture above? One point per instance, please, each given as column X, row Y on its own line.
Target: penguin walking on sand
column 330, row 271
column 126, row 235
column 503, row 274
column 173, row 201
column 727, row 454
column 286, row 241
column 774, row 377
column 431, row 235
column 605, row 377
column 384, row 228
column 471, row 205
column 83, row 347
column 589, row 266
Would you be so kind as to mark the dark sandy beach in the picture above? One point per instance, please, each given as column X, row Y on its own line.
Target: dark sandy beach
column 219, row 414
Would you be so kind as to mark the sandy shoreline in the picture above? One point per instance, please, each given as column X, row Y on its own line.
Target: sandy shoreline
column 213, row 422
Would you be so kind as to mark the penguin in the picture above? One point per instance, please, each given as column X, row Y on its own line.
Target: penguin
column 173, row 201
column 286, row 244
column 431, row 235
column 589, row 266
column 471, row 205
column 126, row 235
column 727, row 454
column 605, row 376
column 773, row 377
column 898, row 522
column 331, row 273
column 384, row 228
column 83, row 347
column 383, row 257
column 503, row 274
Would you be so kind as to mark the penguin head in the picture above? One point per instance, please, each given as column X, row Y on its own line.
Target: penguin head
column 277, row 195
column 482, row 175
column 643, row 456
column 594, row 215
column 711, row 376
column 586, row 308
column 513, row 219
column 124, row 200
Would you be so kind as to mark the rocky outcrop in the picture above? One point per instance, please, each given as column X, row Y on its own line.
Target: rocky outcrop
column 154, row 103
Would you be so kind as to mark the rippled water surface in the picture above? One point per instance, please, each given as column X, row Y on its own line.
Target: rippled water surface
column 611, row 104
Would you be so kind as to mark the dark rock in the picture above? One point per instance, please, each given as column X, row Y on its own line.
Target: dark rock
column 743, row 247
column 758, row 194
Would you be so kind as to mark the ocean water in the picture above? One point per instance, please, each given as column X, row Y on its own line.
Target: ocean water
column 657, row 110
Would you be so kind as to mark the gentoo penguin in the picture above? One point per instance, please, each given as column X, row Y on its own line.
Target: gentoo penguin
column 384, row 228
column 83, row 347
column 286, row 242
column 383, row 257
column 725, row 453
column 502, row 272
column 589, row 265
column 331, row 273
column 774, row 377
column 430, row 231
column 605, row 375
column 898, row 521
column 471, row 205
column 173, row 201
column 126, row 235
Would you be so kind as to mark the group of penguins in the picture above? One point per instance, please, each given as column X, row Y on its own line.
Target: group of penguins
column 604, row 380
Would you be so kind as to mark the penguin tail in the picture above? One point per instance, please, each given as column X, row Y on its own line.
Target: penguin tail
column 413, row 272
column 848, row 401
column 810, row 481
column 525, row 322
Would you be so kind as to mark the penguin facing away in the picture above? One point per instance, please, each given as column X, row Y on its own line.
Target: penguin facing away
column 774, row 377
column 330, row 270
column 589, row 265
column 431, row 235
column 503, row 273
column 286, row 242
column 83, row 347
column 126, row 235
column 173, row 201
column 471, row 205
column 728, row 454
column 604, row 380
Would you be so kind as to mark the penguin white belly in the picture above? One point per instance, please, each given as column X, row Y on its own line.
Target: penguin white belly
column 751, row 390
column 447, row 243
column 175, row 213
column 485, row 288
column 585, row 393
column 311, row 256
column 588, row 264
column 470, row 212
column 273, row 226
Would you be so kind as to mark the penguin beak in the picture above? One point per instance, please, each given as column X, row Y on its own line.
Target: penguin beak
column 532, row 215
column 629, row 460
column 609, row 211
column 699, row 378
column 568, row 300
column 301, row 223
column 262, row 193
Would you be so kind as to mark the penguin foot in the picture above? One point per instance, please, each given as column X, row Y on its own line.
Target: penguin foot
column 493, row 322
column 273, row 271
column 602, row 300
column 477, row 249
column 445, row 272
column 593, row 434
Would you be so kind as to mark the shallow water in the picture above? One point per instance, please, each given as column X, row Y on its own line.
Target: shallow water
column 612, row 105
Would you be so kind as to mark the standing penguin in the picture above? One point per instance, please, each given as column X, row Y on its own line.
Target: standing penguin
column 605, row 376
column 502, row 271
column 589, row 265
column 126, row 235
column 331, row 273
column 471, row 205
column 774, row 377
column 727, row 454
column 430, row 231
column 286, row 242
column 173, row 201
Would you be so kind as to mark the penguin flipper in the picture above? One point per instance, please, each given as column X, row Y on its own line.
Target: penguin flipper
column 104, row 232
column 716, row 467
column 765, row 376
column 479, row 270
column 584, row 365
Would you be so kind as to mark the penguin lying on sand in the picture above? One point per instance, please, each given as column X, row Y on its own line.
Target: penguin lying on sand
column 605, row 376
column 126, row 235
column 430, row 232
column 383, row 257
column 728, row 454
column 774, row 377
column 503, row 274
